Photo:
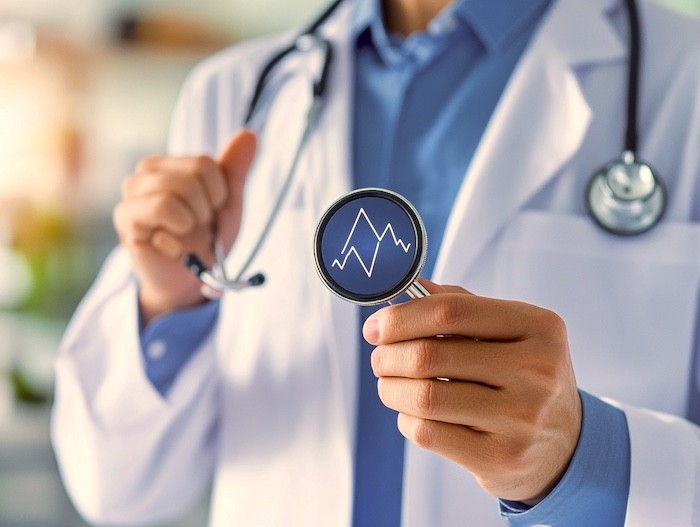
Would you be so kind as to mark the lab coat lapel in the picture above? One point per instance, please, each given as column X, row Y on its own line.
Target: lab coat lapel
column 323, row 174
column 539, row 124
column 331, row 176
column 536, row 128
column 334, row 147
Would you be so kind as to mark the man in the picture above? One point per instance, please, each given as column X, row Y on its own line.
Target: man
column 490, row 117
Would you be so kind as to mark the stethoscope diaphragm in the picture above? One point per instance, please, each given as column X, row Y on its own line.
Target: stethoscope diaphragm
column 625, row 197
column 370, row 247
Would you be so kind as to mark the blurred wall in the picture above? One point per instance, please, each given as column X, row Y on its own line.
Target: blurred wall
column 242, row 18
column 686, row 6
column 86, row 89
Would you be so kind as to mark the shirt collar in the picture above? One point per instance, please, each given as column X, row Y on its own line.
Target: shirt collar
column 498, row 22
column 365, row 12
column 495, row 22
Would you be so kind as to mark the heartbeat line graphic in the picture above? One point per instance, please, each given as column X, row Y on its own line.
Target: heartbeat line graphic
column 368, row 270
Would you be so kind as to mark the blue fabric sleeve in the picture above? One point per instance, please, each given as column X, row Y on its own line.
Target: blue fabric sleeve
column 168, row 341
column 595, row 487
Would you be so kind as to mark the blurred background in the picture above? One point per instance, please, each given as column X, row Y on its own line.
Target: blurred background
column 86, row 89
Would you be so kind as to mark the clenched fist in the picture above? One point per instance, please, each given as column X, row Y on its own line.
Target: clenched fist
column 496, row 394
column 173, row 205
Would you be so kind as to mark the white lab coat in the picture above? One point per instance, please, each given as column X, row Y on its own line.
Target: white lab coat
column 266, row 408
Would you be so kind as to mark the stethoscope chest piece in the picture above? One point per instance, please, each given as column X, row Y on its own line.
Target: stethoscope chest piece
column 625, row 197
column 370, row 247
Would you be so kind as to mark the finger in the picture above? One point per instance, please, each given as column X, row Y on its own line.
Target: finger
column 203, row 169
column 235, row 161
column 456, row 314
column 454, row 358
column 189, row 189
column 456, row 402
column 140, row 237
column 474, row 450
column 136, row 220
column 167, row 245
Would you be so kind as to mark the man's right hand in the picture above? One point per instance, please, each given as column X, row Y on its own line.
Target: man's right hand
column 174, row 205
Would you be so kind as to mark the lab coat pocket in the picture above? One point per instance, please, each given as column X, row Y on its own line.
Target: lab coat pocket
column 629, row 302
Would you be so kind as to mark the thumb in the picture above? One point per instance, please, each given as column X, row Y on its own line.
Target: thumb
column 236, row 158
column 234, row 161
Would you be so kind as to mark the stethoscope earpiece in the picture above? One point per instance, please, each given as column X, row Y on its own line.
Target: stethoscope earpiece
column 625, row 197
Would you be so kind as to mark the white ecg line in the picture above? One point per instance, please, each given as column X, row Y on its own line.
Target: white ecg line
column 380, row 237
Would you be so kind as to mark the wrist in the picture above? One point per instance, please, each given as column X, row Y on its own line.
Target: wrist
column 596, row 481
column 549, row 462
column 154, row 302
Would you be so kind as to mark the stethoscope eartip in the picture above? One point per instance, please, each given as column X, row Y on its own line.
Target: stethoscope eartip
column 256, row 280
column 194, row 264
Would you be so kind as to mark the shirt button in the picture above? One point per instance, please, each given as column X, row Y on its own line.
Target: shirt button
column 442, row 25
column 156, row 350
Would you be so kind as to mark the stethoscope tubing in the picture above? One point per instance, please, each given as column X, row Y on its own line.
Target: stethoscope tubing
column 635, row 46
column 307, row 40
column 299, row 44
column 284, row 191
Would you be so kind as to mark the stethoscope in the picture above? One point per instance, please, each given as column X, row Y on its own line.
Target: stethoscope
column 216, row 280
column 624, row 197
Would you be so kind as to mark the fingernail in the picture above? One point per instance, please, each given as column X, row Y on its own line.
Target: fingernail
column 370, row 330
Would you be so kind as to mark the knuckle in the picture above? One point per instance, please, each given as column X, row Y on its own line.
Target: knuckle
column 164, row 205
column 203, row 164
column 167, row 245
column 450, row 312
column 531, row 415
column 423, row 433
column 190, row 187
column 506, row 451
column 493, row 452
column 552, row 325
column 393, row 320
column 515, row 454
column 423, row 357
column 426, row 397
column 146, row 163
column 552, row 362
column 168, row 207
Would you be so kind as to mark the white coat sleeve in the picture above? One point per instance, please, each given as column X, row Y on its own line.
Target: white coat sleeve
column 126, row 454
column 665, row 466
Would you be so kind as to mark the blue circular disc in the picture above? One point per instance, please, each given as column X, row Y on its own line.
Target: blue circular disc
column 370, row 246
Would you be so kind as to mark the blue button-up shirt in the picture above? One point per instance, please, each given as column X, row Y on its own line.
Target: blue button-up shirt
column 421, row 106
